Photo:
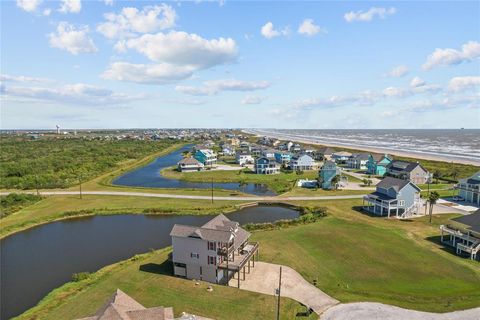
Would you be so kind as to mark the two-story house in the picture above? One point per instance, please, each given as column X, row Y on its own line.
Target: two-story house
column 266, row 165
column 412, row 171
column 327, row 172
column 397, row 197
column 358, row 161
column 244, row 158
column 283, row 157
column 303, row 162
column 377, row 164
column 341, row 157
column 189, row 164
column 206, row 156
column 463, row 234
column 269, row 153
column 469, row 189
column 325, row 153
column 214, row 252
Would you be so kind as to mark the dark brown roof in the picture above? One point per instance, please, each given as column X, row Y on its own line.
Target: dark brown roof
column 471, row 220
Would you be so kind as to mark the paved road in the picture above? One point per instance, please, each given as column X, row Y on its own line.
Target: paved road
column 380, row 311
column 263, row 278
column 194, row 197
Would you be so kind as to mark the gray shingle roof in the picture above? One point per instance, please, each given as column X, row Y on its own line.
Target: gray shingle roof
column 475, row 179
column 219, row 229
column 397, row 184
column 406, row 166
column 471, row 220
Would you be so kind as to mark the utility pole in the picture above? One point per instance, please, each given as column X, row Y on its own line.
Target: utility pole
column 279, row 288
column 80, row 180
column 36, row 185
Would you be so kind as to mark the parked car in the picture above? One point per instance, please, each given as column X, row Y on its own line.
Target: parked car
column 458, row 198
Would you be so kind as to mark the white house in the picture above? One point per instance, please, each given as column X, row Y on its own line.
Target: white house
column 358, row 161
column 266, row 165
column 214, row 252
column 189, row 164
column 470, row 189
column 303, row 162
column 341, row 156
column 244, row 158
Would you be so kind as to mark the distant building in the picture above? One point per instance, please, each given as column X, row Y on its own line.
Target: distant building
column 282, row 156
column 214, row 252
column 305, row 183
column 469, row 189
column 266, row 165
column 296, row 148
column 189, row 164
column 244, row 158
column 358, row 161
column 326, row 153
column 393, row 196
column 303, row 162
column 341, row 156
column 268, row 153
column 228, row 150
column 206, row 156
column 327, row 172
column 412, row 171
column 377, row 164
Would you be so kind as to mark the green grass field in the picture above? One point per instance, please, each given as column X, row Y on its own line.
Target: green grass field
column 353, row 257
column 147, row 279
column 279, row 183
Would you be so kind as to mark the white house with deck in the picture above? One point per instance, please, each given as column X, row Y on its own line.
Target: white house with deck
column 469, row 189
column 465, row 239
column 214, row 252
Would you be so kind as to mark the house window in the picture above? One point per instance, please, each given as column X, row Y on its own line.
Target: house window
column 401, row 203
column 211, row 246
column 212, row 260
column 194, row 255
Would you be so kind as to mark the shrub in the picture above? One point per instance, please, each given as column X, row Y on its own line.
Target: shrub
column 76, row 277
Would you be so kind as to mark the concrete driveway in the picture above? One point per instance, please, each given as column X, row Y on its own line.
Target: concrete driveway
column 264, row 279
column 380, row 311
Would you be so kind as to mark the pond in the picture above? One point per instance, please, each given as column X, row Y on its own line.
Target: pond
column 38, row 260
column 149, row 176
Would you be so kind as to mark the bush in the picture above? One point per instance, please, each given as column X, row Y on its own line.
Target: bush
column 76, row 277
column 307, row 215
column 16, row 201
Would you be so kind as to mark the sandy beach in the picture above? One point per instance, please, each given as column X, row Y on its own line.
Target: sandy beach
column 368, row 149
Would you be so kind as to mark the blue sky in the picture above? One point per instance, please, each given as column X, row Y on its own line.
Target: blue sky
column 338, row 64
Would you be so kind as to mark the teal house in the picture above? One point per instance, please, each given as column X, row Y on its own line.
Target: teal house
column 327, row 172
column 377, row 164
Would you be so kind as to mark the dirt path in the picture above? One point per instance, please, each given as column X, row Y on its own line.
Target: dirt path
column 380, row 311
column 264, row 279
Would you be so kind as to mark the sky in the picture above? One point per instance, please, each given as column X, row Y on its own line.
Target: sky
column 239, row 64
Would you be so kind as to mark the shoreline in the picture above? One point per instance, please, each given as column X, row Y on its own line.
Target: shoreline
column 393, row 152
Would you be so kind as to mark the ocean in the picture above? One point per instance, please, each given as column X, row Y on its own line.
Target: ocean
column 459, row 145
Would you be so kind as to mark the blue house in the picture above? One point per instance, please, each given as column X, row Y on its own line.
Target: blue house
column 377, row 164
column 393, row 196
column 327, row 172
column 283, row 157
column 206, row 156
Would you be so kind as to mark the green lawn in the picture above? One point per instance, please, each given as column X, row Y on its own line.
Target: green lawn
column 279, row 183
column 355, row 257
column 148, row 281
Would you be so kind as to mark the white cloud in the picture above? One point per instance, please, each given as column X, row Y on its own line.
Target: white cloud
column 108, row 2
column 445, row 57
column 181, row 48
column 253, row 100
column 47, row 12
column 215, row 86
column 72, row 6
column 75, row 94
column 269, row 32
column 309, row 28
column 459, row 84
column 162, row 73
column 417, row 82
column 396, row 92
column 366, row 16
column 28, row 5
column 23, row 79
column 131, row 21
column 398, row 71
column 71, row 39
